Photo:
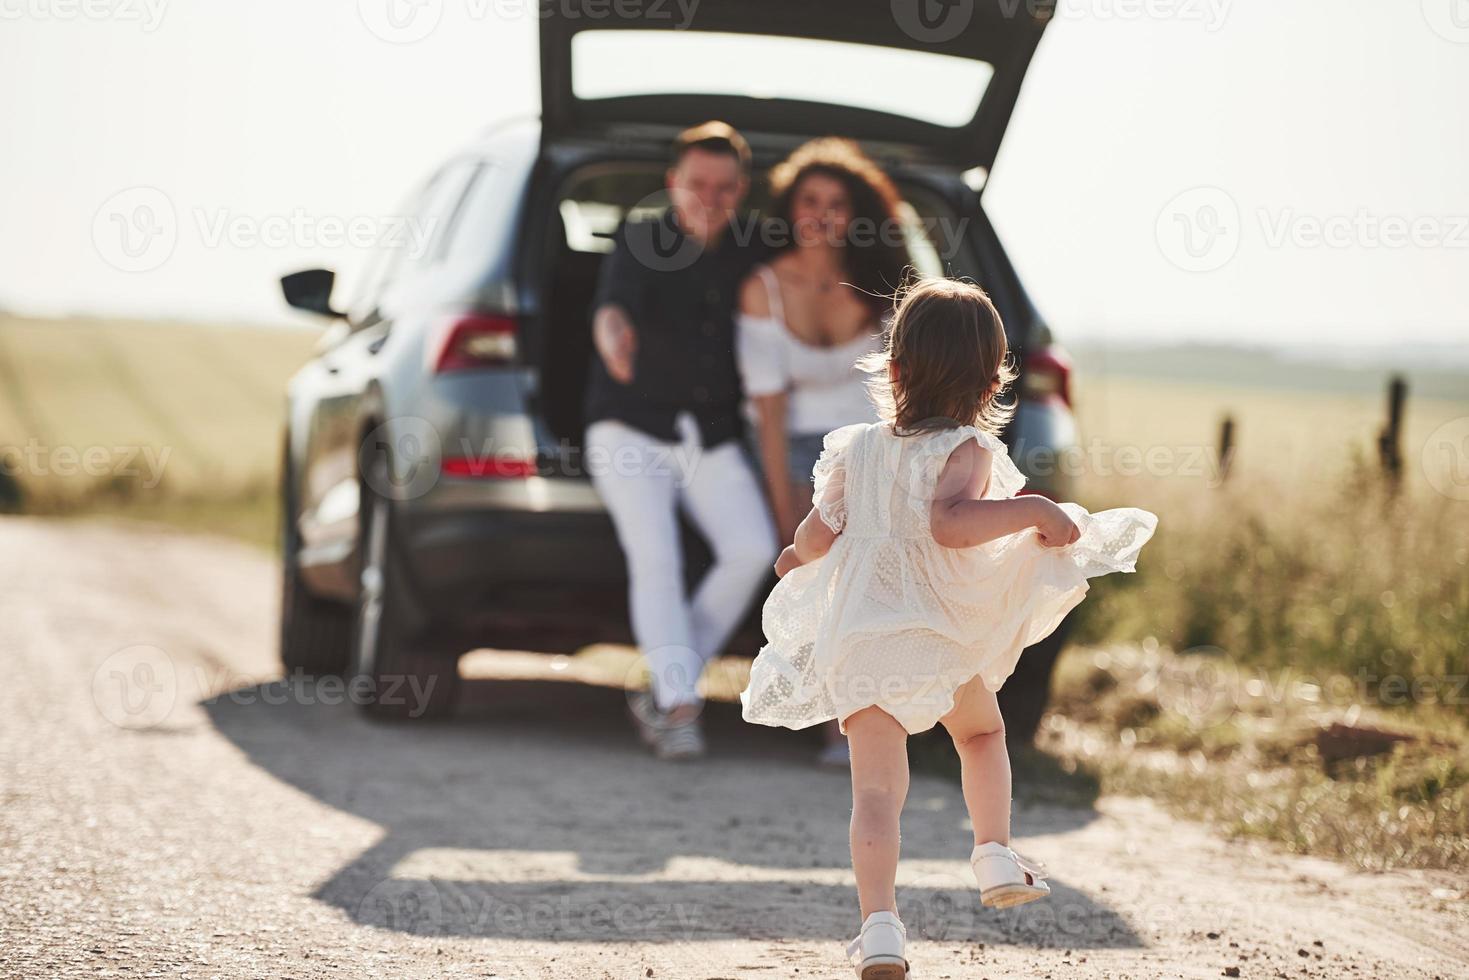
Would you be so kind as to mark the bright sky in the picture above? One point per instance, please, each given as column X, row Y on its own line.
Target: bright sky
column 1249, row 170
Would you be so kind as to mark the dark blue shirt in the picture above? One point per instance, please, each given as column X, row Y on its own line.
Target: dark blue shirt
column 681, row 300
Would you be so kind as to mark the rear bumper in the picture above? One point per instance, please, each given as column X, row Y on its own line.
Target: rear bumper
column 532, row 563
column 499, row 548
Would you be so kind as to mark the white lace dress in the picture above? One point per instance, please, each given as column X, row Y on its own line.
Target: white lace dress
column 890, row 617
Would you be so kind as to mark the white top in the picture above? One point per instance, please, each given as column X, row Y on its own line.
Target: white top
column 826, row 389
column 890, row 617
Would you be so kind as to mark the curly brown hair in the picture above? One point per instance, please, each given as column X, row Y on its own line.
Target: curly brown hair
column 946, row 360
column 876, row 263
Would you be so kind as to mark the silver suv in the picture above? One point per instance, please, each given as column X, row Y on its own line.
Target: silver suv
column 433, row 498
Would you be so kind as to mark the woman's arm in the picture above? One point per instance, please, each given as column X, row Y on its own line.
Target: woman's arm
column 763, row 374
column 958, row 519
column 770, row 434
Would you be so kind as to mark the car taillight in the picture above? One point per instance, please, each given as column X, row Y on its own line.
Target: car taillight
column 1046, row 373
column 490, row 467
column 472, row 340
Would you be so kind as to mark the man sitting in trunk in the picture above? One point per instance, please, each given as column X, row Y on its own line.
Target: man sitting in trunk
column 665, row 427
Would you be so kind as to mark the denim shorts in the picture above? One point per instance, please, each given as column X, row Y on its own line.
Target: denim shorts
column 802, row 452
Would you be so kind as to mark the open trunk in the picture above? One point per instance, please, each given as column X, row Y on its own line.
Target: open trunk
column 937, row 81
column 917, row 83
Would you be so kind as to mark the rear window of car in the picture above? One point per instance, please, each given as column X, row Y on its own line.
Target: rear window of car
column 935, row 88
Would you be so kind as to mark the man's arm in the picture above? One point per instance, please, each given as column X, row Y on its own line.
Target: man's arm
column 620, row 286
column 616, row 341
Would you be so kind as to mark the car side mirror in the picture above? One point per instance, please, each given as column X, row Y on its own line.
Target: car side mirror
column 311, row 291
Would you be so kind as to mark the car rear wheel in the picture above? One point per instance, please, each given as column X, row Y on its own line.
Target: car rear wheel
column 316, row 634
column 395, row 673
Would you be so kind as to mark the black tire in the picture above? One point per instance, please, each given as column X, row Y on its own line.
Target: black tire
column 396, row 673
column 1025, row 695
column 315, row 634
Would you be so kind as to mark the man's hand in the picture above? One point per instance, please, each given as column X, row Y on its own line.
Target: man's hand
column 616, row 341
column 1055, row 528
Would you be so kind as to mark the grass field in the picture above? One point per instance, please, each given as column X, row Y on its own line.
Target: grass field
column 1306, row 556
column 155, row 420
column 1302, row 592
column 1292, row 657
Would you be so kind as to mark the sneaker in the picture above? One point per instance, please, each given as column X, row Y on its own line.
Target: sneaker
column 878, row 952
column 669, row 740
column 1005, row 878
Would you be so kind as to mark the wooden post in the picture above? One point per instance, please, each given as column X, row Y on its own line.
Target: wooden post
column 1389, row 441
column 1226, row 446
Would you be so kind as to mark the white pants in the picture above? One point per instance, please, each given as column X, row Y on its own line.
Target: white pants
column 643, row 481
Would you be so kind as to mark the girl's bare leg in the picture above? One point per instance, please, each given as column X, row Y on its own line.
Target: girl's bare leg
column 879, row 787
column 978, row 732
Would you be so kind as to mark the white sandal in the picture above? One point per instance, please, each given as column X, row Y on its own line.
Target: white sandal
column 1005, row 878
column 878, row 952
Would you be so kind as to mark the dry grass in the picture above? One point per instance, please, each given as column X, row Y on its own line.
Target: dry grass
column 1306, row 591
column 1305, row 558
column 1264, row 754
column 156, row 421
column 1352, row 580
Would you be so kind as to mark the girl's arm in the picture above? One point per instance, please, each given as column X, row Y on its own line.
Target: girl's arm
column 787, row 561
column 813, row 539
column 958, row 519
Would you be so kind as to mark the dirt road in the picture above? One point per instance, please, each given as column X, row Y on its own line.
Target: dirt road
column 169, row 811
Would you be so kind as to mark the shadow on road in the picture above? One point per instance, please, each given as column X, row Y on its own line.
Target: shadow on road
column 535, row 814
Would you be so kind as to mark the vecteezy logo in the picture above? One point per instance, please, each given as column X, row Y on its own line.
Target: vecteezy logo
column 135, row 687
column 136, row 230
column 939, row 907
column 1201, row 684
column 932, row 21
column 1448, row 18
column 411, row 455
column 414, row 907
column 678, row 669
column 658, row 244
column 401, row 21
column 1446, row 459
column 1199, row 230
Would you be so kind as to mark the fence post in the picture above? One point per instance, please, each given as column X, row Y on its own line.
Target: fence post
column 1226, row 446
column 1389, row 440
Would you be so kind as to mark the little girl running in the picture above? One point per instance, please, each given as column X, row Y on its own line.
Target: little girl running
column 914, row 584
